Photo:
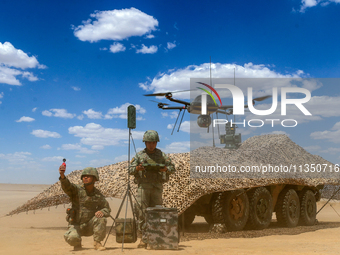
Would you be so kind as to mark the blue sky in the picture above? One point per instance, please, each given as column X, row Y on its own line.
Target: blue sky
column 69, row 69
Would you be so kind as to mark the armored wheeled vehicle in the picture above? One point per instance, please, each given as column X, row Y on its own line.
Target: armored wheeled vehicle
column 240, row 201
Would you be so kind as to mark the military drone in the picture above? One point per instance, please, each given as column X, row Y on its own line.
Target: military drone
column 195, row 107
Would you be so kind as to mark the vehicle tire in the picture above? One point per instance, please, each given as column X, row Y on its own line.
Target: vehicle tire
column 307, row 208
column 260, row 208
column 288, row 208
column 235, row 209
column 216, row 208
column 188, row 219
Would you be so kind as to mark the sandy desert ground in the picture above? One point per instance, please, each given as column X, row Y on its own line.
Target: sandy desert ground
column 41, row 232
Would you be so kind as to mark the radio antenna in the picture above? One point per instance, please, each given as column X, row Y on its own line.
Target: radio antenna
column 212, row 127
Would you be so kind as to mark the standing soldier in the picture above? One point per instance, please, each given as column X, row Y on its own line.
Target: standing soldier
column 89, row 209
column 150, row 177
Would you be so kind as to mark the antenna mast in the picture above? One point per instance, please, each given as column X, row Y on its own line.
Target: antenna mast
column 213, row 113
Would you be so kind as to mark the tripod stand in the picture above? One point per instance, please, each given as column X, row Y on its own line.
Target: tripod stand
column 128, row 196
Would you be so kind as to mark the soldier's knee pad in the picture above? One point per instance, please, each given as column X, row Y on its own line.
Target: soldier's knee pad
column 72, row 238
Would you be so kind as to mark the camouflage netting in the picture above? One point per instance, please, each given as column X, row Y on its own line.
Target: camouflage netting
column 182, row 191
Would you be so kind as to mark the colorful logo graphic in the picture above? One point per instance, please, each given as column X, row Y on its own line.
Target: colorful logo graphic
column 208, row 92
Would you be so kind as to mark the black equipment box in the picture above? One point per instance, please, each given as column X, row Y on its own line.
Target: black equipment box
column 130, row 235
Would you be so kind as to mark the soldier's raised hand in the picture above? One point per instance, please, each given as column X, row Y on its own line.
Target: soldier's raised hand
column 62, row 169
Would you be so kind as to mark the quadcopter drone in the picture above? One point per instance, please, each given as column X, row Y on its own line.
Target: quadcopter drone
column 195, row 107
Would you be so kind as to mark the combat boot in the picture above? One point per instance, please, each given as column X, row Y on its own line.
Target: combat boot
column 77, row 247
column 142, row 244
column 98, row 246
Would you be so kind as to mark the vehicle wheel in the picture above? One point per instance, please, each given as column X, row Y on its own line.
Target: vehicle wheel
column 188, row 219
column 307, row 208
column 288, row 208
column 235, row 209
column 260, row 208
column 216, row 208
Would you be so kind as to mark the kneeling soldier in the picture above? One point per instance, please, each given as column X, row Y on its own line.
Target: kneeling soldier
column 89, row 209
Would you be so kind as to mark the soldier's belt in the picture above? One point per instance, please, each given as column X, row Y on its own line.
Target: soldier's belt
column 153, row 165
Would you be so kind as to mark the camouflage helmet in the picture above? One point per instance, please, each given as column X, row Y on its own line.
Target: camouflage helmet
column 151, row 136
column 90, row 171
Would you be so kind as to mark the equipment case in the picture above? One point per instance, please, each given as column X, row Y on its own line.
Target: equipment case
column 130, row 235
column 162, row 228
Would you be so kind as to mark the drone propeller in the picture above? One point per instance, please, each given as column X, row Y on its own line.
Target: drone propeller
column 159, row 104
column 166, row 93
column 261, row 98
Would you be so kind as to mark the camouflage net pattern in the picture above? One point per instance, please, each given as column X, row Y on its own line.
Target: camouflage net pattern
column 182, row 191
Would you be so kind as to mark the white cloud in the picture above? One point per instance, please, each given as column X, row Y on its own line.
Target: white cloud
column 332, row 135
column 95, row 135
column 45, row 134
column 77, row 147
column 185, row 127
column 12, row 58
column 147, row 50
column 100, row 162
column 47, row 113
column 76, row 88
column 120, row 158
column 174, row 114
column 46, row 147
column 179, row 79
column 117, row 47
column 17, row 157
column 177, row 147
column 140, row 118
column 115, row 25
column 330, row 150
column 80, row 117
column 276, row 132
column 8, row 75
column 171, row 45
column 117, row 112
column 53, row 159
column 25, row 119
column 311, row 3
column 29, row 76
column 91, row 114
column 312, row 148
column 80, row 156
column 97, row 147
column 121, row 111
column 34, row 109
column 60, row 113
column 1, row 96
column 319, row 106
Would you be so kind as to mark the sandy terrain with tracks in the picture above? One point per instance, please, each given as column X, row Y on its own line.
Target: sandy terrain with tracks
column 42, row 232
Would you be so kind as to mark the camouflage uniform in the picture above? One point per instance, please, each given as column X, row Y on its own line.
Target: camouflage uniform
column 86, row 205
column 150, row 181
